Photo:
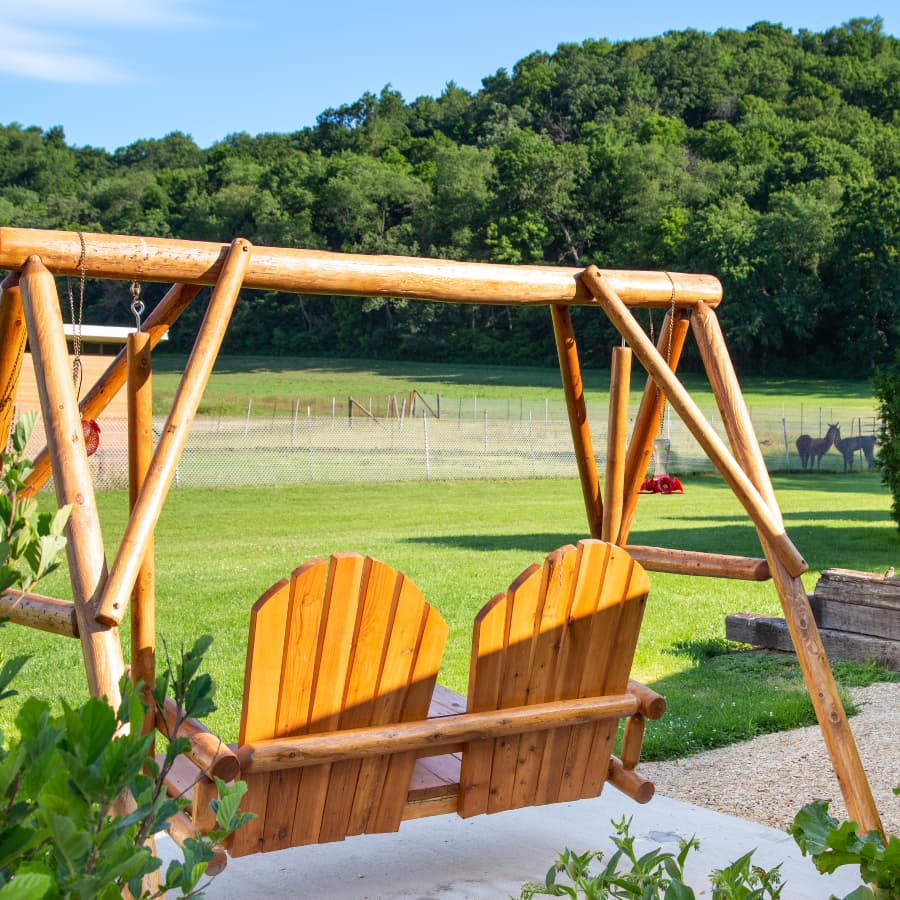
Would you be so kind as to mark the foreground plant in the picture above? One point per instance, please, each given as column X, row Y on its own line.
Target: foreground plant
column 30, row 542
column 61, row 781
column 66, row 779
column 832, row 844
column 656, row 874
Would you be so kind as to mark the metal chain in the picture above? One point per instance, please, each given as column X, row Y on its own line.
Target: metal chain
column 7, row 396
column 76, row 321
column 664, row 407
column 137, row 305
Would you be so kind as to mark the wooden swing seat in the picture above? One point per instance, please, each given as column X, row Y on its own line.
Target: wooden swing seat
column 345, row 731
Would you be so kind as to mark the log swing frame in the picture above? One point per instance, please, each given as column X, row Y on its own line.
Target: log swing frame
column 29, row 302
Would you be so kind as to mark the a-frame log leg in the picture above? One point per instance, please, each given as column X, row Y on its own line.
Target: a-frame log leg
column 646, row 423
column 12, row 349
column 148, row 507
column 797, row 613
column 140, row 452
column 573, row 387
column 617, row 436
column 766, row 522
column 72, row 477
column 110, row 382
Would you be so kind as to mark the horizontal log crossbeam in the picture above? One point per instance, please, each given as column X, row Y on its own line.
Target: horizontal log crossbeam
column 320, row 272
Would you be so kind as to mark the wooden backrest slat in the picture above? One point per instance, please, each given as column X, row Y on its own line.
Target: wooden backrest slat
column 585, row 605
column 346, row 643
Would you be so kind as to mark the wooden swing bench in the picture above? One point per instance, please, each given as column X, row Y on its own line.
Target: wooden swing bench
column 344, row 730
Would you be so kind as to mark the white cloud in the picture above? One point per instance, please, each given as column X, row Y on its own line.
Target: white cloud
column 107, row 13
column 29, row 53
column 54, row 40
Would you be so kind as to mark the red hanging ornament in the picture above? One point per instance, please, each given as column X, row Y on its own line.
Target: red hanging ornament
column 91, row 435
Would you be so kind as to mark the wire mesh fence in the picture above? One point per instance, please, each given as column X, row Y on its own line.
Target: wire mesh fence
column 490, row 440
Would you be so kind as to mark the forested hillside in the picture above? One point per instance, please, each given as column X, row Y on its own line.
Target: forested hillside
column 768, row 158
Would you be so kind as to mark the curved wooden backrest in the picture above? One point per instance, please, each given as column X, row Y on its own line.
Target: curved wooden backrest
column 343, row 644
column 563, row 630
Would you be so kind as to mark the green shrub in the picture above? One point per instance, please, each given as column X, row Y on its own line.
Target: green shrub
column 30, row 542
column 832, row 844
column 887, row 392
column 81, row 793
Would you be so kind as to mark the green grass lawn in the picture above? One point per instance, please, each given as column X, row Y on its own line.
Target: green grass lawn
column 217, row 550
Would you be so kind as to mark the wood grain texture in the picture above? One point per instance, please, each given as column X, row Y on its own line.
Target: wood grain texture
column 101, row 648
column 13, row 336
column 110, row 382
column 140, row 452
column 346, row 645
column 616, row 443
column 48, row 614
column 585, row 606
column 697, row 562
column 573, row 388
column 321, row 272
column 112, row 604
column 767, row 521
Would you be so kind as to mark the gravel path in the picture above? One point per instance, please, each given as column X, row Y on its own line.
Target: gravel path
column 770, row 777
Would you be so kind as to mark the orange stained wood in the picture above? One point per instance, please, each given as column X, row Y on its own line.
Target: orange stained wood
column 12, row 349
column 584, row 607
column 573, row 387
column 617, row 438
column 344, row 644
column 349, row 274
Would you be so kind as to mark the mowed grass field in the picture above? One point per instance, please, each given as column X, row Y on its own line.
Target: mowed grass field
column 267, row 385
column 218, row 550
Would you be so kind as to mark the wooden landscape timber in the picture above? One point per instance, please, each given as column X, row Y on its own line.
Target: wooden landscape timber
column 858, row 615
column 544, row 625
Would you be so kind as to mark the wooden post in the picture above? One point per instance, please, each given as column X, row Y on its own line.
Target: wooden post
column 150, row 501
column 766, row 522
column 12, row 349
column 730, row 400
column 570, row 370
column 794, row 601
column 646, row 423
column 110, row 382
column 140, row 453
column 72, row 477
column 617, row 435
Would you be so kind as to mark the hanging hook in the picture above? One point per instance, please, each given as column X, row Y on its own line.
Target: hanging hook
column 137, row 305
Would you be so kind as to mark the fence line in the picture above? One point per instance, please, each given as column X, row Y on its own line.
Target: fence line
column 419, row 445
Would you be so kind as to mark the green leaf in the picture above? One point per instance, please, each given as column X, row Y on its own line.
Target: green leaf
column 226, row 806
column 72, row 842
column 27, row 886
column 9, row 671
column 677, row 890
column 23, row 430
column 811, row 827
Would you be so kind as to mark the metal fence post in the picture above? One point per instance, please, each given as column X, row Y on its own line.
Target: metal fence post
column 427, row 457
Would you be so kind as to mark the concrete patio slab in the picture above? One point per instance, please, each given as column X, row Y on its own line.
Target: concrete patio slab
column 490, row 857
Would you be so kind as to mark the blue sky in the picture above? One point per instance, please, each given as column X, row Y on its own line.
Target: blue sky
column 113, row 71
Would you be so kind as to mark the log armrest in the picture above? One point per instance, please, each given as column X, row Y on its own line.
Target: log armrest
column 653, row 705
column 214, row 758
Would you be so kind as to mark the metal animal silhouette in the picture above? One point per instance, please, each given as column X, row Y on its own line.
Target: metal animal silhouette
column 848, row 446
column 812, row 449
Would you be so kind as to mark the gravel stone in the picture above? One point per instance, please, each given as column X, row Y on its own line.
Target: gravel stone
column 768, row 779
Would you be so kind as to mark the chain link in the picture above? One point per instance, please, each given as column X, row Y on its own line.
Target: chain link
column 76, row 320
